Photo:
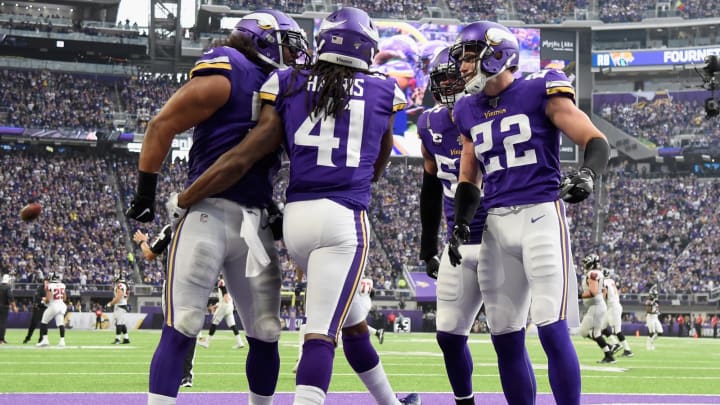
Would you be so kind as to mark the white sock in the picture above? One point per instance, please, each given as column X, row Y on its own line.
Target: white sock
column 157, row 399
column 255, row 399
column 309, row 395
column 376, row 381
column 301, row 340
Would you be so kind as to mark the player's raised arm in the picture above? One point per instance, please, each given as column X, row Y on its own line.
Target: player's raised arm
column 231, row 166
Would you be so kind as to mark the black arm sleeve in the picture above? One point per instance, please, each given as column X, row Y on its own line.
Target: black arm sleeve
column 597, row 153
column 162, row 241
column 430, row 215
column 467, row 201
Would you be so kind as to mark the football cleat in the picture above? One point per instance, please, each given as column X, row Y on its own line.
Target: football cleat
column 609, row 359
column 615, row 348
column 43, row 343
column 627, row 353
column 61, row 343
column 411, row 399
column 204, row 344
column 239, row 346
column 380, row 335
column 116, row 341
column 27, row 339
column 126, row 341
column 186, row 382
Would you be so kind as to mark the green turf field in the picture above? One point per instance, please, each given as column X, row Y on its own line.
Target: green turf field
column 414, row 363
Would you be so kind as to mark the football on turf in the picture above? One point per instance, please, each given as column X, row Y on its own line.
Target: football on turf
column 30, row 211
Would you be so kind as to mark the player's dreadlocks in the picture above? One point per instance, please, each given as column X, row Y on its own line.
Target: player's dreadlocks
column 334, row 86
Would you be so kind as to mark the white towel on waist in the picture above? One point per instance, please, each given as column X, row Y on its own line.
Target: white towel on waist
column 257, row 258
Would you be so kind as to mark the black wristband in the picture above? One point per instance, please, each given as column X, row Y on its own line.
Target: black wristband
column 273, row 208
column 467, row 201
column 147, row 183
column 597, row 153
column 430, row 215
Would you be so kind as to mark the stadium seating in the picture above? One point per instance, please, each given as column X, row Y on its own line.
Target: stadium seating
column 666, row 119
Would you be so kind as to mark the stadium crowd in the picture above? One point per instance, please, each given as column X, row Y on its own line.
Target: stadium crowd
column 531, row 12
column 80, row 102
column 80, row 235
column 662, row 120
column 655, row 229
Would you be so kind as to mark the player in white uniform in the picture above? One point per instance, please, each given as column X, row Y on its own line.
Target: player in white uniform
column 223, row 310
column 592, row 296
column 652, row 321
column 612, row 326
column 119, row 304
column 56, row 309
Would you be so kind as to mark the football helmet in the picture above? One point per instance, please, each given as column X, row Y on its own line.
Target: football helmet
column 494, row 47
column 347, row 37
column 446, row 84
column 606, row 272
column 271, row 31
column 591, row 261
column 654, row 292
column 120, row 279
column 428, row 50
column 55, row 278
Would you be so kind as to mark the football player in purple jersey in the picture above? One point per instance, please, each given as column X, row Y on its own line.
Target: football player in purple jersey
column 511, row 145
column 458, row 294
column 336, row 118
column 224, row 233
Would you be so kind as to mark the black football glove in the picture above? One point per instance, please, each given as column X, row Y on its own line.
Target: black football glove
column 142, row 207
column 275, row 221
column 432, row 265
column 577, row 187
column 460, row 235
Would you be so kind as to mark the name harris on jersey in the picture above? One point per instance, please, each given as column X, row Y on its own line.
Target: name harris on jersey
column 356, row 91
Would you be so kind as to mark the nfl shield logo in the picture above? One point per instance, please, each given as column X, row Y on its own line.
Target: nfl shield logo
column 203, row 217
column 336, row 40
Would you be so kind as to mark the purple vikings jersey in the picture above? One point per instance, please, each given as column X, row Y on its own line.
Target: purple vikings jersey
column 333, row 157
column 515, row 141
column 229, row 125
column 442, row 141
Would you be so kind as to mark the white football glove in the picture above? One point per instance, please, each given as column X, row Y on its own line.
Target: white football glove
column 174, row 212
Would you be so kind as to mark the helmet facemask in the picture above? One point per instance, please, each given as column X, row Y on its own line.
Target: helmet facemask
column 446, row 84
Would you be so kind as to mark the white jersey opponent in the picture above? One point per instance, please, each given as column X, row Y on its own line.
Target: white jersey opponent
column 592, row 322
column 56, row 303
column 122, row 288
column 613, row 317
column 225, row 307
column 120, row 309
